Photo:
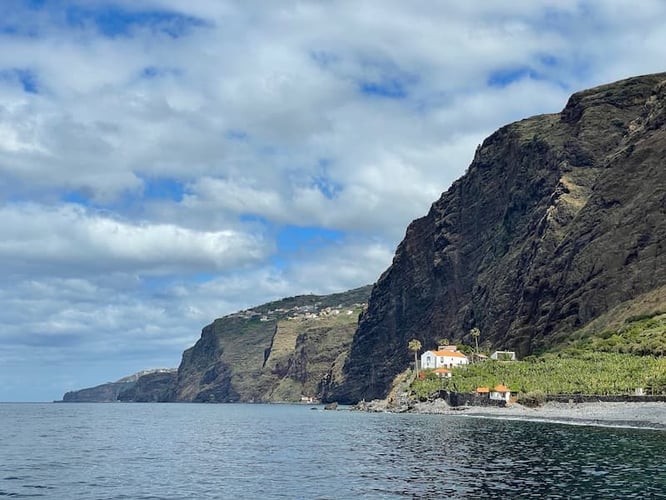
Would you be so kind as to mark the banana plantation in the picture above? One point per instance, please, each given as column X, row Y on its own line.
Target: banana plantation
column 596, row 373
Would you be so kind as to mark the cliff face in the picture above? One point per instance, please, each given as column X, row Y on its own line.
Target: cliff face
column 147, row 385
column 150, row 388
column 278, row 351
column 104, row 393
column 274, row 352
column 558, row 219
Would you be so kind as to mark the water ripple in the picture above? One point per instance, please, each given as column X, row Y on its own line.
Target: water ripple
column 282, row 451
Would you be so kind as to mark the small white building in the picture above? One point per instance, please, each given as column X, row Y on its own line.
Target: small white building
column 501, row 392
column 431, row 360
column 503, row 355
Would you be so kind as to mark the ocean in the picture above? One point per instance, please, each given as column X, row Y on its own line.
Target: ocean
column 182, row 451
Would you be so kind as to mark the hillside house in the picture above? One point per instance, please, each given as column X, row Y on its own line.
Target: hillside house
column 431, row 360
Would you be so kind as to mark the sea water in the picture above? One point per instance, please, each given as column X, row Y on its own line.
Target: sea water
column 178, row 451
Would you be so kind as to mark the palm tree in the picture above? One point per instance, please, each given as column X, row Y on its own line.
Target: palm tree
column 415, row 345
column 476, row 333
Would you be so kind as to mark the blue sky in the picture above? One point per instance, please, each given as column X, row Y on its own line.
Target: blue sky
column 163, row 163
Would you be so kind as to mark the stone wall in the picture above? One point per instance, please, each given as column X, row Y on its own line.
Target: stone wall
column 470, row 399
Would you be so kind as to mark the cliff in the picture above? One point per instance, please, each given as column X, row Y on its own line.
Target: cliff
column 104, row 393
column 113, row 391
column 153, row 387
column 279, row 351
column 559, row 219
column 275, row 352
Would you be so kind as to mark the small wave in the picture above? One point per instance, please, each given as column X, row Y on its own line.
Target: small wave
column 576, row 422
column 13, row 494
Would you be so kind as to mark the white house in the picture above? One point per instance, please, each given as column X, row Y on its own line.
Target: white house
column 442, row 359
column 501, row 392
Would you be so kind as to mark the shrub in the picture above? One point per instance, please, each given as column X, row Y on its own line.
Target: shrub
column 640, row 317
column 532, row 399
column 423, row 389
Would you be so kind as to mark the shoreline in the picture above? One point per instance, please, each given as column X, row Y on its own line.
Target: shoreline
column 643, row 415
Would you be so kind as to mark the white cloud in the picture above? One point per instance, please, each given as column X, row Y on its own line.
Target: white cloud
column 71, row 241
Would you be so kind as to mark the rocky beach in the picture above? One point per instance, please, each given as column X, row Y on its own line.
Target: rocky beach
column 643, row 415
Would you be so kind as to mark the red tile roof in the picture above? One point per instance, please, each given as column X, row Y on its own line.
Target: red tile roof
column 452, row 354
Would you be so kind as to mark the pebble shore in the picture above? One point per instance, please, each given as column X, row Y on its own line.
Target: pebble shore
column 644, row 415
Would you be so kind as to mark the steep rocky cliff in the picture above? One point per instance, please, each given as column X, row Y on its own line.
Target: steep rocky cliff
column 103, row 393
column 119, row 390
column 275, row 352
column 278, row 351
column 559, row 219
column 150, row 388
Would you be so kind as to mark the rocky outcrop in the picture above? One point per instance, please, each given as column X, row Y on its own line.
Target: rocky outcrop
column 149, row 384
column 558, row 219
column 104, row 393
column 153, row 387
column 275, row 352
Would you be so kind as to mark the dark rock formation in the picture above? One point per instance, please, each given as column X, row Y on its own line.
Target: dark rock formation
column 558, row 219
column 104, row 393
column 150, row 385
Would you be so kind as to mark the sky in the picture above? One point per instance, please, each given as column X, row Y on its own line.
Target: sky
column 164, row 163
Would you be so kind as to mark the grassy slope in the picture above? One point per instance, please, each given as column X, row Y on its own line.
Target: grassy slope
column 646, row 305
column 359, row 295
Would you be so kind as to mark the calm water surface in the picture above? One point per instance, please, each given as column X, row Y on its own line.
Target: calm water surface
column 176, row 451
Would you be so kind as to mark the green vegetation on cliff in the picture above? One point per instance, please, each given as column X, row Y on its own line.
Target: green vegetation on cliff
column 641, row 335
column 613, row 361
column 587, row 373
